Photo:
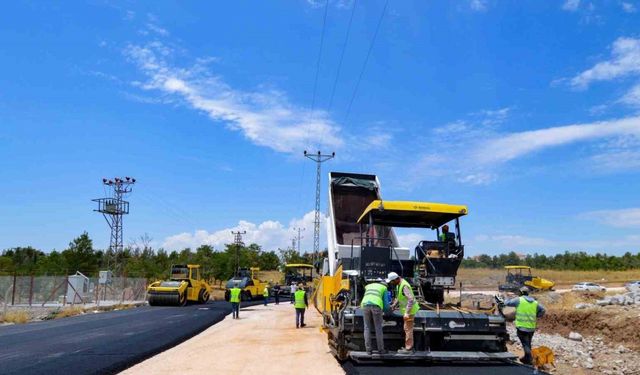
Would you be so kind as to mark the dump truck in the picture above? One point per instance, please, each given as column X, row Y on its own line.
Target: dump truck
column 185, row 285
column 519, row 276
column 363, row 248
column 247, row 280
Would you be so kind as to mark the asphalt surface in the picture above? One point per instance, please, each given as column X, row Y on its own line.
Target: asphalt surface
column 103, row 343
column 481, row 369
column 109, row 342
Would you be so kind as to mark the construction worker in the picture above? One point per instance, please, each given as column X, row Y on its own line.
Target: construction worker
column 234, row 298
column 276, row 293
column 445, row 232
column 408, row 305
column 265, row 294
column 300, row 304
column 374, row 303
column 528, row 310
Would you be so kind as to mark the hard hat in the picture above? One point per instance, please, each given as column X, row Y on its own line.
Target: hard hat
column 392, row 276
column 524, row 290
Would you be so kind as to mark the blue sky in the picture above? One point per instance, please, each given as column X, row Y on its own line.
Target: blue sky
column 527, row 111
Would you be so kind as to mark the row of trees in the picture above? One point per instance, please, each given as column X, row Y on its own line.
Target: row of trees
column 141, row 260
column 579, row 261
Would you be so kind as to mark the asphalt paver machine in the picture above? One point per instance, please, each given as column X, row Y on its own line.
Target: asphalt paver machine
column 442, row 331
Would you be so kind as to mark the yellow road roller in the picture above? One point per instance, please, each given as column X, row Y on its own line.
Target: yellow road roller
column 185, row 285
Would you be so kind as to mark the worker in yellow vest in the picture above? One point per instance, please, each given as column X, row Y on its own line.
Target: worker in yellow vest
column 374, row 302
column 408, row 306
column 234, row 298
column 300, row 303
column 265, row 294
column 528, row 310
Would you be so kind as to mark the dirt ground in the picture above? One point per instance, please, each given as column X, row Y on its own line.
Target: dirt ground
column 263, row 341
column 485, row 278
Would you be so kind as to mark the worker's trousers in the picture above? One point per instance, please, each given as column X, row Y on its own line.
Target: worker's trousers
column 408, row 332
column 235, row 309
column 373, row 315
column 300, row 317
column 525, row 338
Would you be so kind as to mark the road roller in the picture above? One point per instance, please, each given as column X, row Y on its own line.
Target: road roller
column 185, row 285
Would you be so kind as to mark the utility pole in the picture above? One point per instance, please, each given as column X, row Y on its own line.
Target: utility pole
column 113, row 208
column 237, row 241
column 319, row 158
column 299, row 238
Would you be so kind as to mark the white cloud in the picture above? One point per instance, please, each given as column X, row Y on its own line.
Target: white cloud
column 628, row 7
column 269, row 234
column 266, row 118
column 472, row 153
column 625, row 60
column 157, row 29
column 624, row 218
column 632, row 97
column 571, row 5
column 515, row 145
column 478, row 5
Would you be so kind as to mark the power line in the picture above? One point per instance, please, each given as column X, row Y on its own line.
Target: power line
column 315, row 82
column 373, row 40
column 344, row 48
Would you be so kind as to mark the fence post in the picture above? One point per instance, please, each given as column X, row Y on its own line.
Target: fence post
column 13, row 293
column 124, row 286
column 31, row 290
column 66, row 288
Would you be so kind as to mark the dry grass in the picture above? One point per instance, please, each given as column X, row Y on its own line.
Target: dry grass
column 489, row 278
column 70, row 311
column 17, row 317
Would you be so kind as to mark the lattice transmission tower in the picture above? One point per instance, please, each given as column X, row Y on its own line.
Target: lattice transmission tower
column 319, row 158
column 237, row 241
column 113, row 207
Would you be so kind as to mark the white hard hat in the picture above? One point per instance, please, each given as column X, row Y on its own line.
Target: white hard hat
column 391, row 276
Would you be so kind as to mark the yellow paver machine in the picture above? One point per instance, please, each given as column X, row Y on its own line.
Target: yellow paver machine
column 363, row 248
column 186, row 284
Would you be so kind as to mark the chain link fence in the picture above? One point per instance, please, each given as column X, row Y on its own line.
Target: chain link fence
column 52, row 291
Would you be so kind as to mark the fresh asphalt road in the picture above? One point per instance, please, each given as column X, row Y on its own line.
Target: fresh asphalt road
column 102, row 343
column 109, row 342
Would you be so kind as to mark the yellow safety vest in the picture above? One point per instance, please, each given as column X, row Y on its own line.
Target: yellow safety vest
column 234, row 295
column 526, row 314
column 402, row 300
column 298, row 302
column 265, row 292
column 374, row 295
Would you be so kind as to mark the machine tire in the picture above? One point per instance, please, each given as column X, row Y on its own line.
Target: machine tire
column 247, row 296
column 203, row 296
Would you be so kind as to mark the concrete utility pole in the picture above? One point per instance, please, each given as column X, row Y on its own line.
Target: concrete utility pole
column 319, row 158
column 237, row 241
column 113, row 208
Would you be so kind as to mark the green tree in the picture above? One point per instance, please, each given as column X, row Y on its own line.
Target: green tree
column 80, row 255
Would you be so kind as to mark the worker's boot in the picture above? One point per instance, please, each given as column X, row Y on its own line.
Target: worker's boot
column 406, row 351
